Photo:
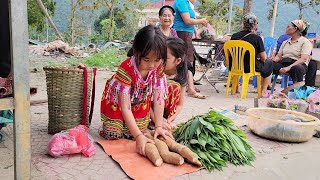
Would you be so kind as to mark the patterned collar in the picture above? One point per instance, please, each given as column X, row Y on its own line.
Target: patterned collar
column 137, row 72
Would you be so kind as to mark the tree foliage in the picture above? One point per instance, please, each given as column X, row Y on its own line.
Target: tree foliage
column 301, row 4
column 104, row 15
column 304, row 4
column 119, row 21
column 77, row 28
column 36, row 18
column 217, row 14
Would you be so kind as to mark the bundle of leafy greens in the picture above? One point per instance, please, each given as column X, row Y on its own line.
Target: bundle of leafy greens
column 216, row 141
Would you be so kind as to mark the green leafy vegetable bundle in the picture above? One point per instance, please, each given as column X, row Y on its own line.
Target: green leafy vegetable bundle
column 216, row 141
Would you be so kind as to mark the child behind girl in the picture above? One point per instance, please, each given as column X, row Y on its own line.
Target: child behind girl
column 176, row 70
column 128, row 94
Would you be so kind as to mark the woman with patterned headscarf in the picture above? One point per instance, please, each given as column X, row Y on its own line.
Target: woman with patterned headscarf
column 294, row 54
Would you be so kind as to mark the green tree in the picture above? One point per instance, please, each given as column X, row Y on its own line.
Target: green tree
column 128, row 14
column 77, row 28
column 36, row 18
column 217, row 14
column 105, row 15
column 237, row 19
column 301, row 4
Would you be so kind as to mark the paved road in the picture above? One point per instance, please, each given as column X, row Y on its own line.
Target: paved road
column 275, row 160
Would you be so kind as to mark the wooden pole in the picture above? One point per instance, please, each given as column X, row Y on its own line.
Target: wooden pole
column 43, row 9
column 21, row 89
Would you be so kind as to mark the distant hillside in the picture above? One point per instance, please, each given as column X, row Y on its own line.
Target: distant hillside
column 286, row 13
column 63, row 14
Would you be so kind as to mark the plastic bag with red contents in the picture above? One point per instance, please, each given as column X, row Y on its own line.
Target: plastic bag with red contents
column 72, row 141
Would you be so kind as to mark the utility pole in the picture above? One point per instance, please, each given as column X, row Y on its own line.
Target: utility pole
column 274, row 14
column 47, row 30
column 230, row 16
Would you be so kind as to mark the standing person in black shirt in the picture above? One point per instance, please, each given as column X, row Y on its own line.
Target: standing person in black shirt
column 5, row 60
column 262, row 65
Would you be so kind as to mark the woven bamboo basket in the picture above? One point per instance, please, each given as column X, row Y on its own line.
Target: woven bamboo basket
column 65, row 98
column 266, row 122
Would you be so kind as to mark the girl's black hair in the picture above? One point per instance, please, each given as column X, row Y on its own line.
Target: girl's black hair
column 178, row 48
column 163, row 8
column 150, row 38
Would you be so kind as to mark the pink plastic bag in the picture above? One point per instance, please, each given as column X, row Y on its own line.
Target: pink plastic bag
column 314, row 101
column 72, row 141
column 62, row 144
column 84, row 141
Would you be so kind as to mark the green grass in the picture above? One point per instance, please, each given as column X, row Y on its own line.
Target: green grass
column 106, row 58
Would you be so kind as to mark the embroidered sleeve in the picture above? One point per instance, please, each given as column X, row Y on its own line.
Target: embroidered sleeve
column 120, row 83
column 161, row 82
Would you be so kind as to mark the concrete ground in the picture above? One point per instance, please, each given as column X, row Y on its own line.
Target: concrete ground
column 275, row 160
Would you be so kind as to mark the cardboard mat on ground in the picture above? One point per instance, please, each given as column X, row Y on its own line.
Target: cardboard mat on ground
column 138, row 167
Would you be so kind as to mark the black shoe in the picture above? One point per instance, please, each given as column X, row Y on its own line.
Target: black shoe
column 196, row 83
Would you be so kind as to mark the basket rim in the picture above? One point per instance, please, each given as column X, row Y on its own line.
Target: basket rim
column 251, row 110
column 63, row 69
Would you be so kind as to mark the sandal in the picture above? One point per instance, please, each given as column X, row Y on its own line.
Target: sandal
column 196, row 83
column 197, row 95
column 196, row 89
column 265, row 96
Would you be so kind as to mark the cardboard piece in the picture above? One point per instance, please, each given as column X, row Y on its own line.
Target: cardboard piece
column 138, row 167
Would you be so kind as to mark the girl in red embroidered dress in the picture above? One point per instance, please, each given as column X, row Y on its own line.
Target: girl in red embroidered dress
column 127, row 97
column 176, row 71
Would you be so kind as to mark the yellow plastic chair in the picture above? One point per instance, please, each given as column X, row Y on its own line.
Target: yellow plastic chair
column 236, row 49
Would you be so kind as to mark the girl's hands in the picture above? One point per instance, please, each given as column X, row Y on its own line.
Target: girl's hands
column 159, row 131
column 168, row 125
column 141, row 142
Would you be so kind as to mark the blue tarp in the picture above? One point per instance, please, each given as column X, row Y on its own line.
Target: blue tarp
column 6, row 116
